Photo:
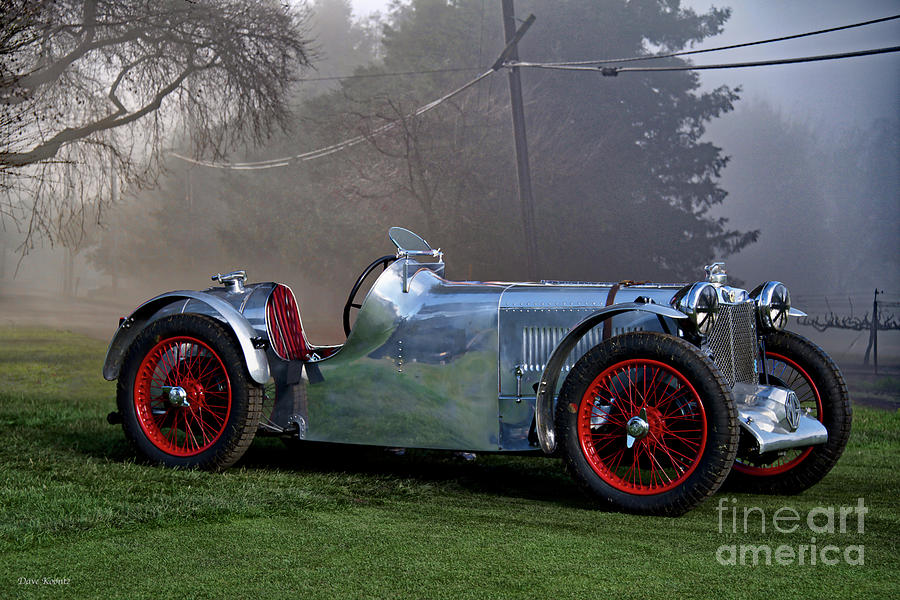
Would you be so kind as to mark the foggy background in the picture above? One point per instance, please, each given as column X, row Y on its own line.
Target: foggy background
column 814, row 168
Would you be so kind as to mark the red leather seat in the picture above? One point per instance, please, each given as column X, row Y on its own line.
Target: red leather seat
column 286, row 329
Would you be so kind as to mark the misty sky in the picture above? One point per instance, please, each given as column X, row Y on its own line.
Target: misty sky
column 843, row 93
column 828, row 98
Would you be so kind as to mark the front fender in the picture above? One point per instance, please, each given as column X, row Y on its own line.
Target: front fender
column 543, row 409
column 255, row 358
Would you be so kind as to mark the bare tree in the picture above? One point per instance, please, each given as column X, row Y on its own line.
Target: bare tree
column 92, row 84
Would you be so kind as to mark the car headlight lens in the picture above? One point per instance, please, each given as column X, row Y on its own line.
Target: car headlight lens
column 700, row 302
column 773, row 305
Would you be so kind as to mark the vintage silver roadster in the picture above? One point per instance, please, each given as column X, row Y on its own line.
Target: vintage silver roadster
column 652, row 394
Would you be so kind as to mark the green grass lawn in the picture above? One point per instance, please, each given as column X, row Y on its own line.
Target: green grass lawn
column 360, row 523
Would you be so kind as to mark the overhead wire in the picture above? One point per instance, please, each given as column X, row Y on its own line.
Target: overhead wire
column 720, row 48
column 390, row 74
column 605, row 60
column 613, row 71
column 327, row 150
column 568, row 66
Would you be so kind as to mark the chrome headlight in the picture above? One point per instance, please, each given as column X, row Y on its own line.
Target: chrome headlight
column 700, row 302
column 773, row 305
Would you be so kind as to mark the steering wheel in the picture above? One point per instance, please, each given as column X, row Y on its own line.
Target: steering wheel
column 384, row 261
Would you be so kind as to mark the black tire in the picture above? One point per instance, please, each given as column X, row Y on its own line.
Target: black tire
column 797, row 363
column 691, row 424
column 214, row 423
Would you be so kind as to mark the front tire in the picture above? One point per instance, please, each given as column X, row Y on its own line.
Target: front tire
column 647, row 424
column 185, row 396
column 796, row 363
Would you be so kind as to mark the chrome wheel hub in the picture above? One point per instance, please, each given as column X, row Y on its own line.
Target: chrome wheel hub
column 637, row 428
column 178, row 396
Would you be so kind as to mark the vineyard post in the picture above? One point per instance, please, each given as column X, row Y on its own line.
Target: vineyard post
column 873, row 333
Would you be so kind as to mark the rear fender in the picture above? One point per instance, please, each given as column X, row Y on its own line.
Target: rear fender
column 129, row 328
column 544, row 405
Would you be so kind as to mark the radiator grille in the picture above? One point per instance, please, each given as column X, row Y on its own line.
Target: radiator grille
column 733, row 343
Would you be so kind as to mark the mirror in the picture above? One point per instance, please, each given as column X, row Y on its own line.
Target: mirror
column 406, row 240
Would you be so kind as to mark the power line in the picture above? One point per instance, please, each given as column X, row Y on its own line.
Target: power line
column 568, row 66
column 613, row 71
column 392, row 74
column 508, row 51
column 604, row 61
column 327, row 150
column 719, row 48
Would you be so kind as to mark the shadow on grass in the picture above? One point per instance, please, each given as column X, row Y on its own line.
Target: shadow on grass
column 529, row 477
column 103, row 444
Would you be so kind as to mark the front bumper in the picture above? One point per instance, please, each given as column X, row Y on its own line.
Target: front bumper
column 773, row 418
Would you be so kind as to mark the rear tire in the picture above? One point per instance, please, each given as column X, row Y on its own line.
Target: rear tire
column 211, row 417
column 662, row 396
column 796, row 363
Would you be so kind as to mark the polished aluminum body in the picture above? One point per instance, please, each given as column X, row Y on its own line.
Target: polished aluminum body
column 419, row 368
column 434, row 363
column 243, row 311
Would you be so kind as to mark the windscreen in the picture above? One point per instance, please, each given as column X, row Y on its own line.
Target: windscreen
column 405, row 239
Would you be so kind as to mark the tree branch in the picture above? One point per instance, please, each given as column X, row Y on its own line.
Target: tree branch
column 49, row 148
column 23, row 89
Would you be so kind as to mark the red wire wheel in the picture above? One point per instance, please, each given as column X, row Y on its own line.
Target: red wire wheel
column 642, row 426
column 647, row 424
column 185, row 396
column 796, row 363
column 182, row 396
column 784, row 372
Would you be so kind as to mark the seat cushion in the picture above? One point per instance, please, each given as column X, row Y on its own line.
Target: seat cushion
column 284, row 324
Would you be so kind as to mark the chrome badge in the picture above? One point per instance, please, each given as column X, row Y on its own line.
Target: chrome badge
column 792, row 411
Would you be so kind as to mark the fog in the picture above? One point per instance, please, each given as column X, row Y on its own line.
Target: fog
column 829, row 95
column 826, row 101
column 786, row 139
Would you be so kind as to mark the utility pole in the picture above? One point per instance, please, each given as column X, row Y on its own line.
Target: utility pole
column 523, row 168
